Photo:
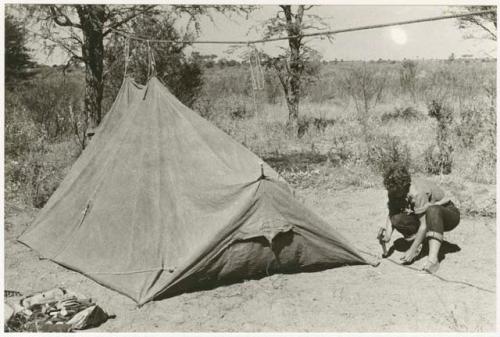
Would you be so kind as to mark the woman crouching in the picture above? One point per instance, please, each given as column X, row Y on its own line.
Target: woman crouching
column 418, row 209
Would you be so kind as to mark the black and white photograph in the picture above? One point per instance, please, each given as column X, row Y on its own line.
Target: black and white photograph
column 313, row 167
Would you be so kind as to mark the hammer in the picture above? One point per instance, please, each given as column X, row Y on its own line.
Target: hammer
column 380, row 238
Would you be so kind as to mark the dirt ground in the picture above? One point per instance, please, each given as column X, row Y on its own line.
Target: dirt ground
column 387, row 298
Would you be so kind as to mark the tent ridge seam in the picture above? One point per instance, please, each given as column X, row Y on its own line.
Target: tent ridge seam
column 130, row 272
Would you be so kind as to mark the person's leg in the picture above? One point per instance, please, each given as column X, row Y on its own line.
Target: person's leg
column 405, row 224
column 439, row 219
column 408, row 226
column 451, row 216
column 432, row 263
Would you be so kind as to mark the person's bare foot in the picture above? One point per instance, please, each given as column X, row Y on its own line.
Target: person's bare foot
column 430, row 266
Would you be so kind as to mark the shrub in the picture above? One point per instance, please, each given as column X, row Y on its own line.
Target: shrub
column 240, row 111
column 469, row 126
column 385, row 150
column 408, row 77
column 35, row 175
column 48, row 101
column 340, row 152
column 438, row 158
column 20, row 129
column 406, row 114
column 365, row 86
column 318, row 123
column 303, row 124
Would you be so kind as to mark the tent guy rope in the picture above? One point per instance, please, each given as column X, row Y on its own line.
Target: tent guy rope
column 330, row 32
column 434, row 275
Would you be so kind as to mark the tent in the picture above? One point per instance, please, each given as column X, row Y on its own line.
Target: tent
column 162, row 202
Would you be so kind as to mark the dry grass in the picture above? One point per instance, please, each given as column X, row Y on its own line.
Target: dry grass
column 332, row 151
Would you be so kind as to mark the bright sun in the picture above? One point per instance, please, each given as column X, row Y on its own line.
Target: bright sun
column 398, row 35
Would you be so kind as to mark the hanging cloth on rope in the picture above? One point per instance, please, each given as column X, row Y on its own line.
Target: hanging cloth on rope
column 127, row 56
column 257, row 75
column 151, row 61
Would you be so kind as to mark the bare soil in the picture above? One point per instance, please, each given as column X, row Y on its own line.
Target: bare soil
column 387, row 298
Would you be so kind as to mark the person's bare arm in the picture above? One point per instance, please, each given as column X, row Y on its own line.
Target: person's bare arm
column 419, row 238
column 388, row 230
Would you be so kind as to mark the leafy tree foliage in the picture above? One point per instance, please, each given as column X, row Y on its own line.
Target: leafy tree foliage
column 293, row 22
column 83, row 31
column 182, row 74
column 17, row 55
column 486, row 23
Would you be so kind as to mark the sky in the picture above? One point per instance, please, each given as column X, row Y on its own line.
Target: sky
column 430, row 40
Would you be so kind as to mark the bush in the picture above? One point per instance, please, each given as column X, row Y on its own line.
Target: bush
column 365, row 86
column 39, row 141
column 240, row 111
column 183, row 75
column 406, row 114
column 408, row 77
column 469, row 126
column 476, row 121
column 48, row 102
column 340, row 152
column 438, row 158
column 319, row 124
column 20, row 129
column 385, row 150
column 35, row 175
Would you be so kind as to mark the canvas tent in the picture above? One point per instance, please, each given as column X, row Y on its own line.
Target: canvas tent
column 163, row 202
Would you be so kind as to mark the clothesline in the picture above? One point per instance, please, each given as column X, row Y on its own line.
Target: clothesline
column 330, row 32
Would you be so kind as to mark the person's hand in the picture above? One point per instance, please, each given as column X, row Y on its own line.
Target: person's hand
column 411, row 254
column 387, row 236
column 408, row 211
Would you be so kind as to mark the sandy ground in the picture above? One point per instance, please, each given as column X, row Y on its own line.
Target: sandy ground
column 386, row 298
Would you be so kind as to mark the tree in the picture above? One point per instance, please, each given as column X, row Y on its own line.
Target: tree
column 83, row 30
column 17, row 57
column 182, row 74
column 80, row 30
column 365, row 86
column 487, row 22
column 290, row 67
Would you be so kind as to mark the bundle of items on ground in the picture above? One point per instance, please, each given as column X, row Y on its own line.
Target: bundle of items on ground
column 55, row 310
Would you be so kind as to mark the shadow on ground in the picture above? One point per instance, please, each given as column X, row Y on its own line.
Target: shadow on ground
column 401, row 245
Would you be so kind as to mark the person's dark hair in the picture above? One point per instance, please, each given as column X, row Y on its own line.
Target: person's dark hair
column 396, row 177
column 397, row 182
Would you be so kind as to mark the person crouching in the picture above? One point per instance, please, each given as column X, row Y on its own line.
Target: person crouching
column 418, row 209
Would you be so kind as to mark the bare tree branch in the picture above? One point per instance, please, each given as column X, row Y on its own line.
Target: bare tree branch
column 60, row 18
column 134, row 12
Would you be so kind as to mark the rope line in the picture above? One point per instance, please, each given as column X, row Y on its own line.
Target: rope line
column 434, row 275
column 330, row 32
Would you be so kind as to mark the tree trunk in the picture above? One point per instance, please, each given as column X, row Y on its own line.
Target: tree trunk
column 293, row 98
column 92, row 18
column 296, row 65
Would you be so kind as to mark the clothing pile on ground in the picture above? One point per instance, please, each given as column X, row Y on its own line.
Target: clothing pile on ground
column 55, row 310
